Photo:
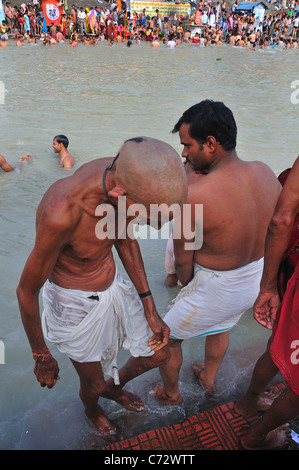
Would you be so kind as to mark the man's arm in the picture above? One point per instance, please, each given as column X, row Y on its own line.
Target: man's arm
column 184, row 240
column 4, row 165
column 277, row 239
column 68, row 162
column 50, row 238
column 130, row 255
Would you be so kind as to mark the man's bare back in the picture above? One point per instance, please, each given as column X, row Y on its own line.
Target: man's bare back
column 238, row 201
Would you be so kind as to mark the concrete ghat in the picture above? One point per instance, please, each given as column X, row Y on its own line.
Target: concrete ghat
column 219, row 428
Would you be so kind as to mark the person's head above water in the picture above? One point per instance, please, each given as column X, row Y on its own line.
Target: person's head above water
column 151, row 172
column 60, row 139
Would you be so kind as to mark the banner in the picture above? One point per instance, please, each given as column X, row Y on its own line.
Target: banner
column 165, row 8
column 52, row 11
column 2, row 14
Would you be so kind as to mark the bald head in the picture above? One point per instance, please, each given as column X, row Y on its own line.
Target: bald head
column 151, row 172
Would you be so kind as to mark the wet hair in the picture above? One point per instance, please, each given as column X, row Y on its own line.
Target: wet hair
column 210, row 118
column 62, row 139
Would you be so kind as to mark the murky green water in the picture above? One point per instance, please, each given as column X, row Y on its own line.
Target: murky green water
column 100, row 96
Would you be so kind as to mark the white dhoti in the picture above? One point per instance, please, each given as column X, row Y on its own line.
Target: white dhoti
column 89, row 330
column 214, row 301
column 169, row 257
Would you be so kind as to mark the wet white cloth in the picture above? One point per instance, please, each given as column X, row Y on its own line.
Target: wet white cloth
column 214, row 301
column 89, row 330
column 169, row 257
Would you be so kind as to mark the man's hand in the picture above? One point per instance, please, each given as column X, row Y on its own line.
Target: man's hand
column 25, row 157
column 161, row 332
column 46, row 371
column 265, row 308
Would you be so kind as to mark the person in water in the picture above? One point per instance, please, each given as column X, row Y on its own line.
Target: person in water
column 7, row 167
column 60, row 145
column 90, row 311
column 221, row 271
column 277, row 308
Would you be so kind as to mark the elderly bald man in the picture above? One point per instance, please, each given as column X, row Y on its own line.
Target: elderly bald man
column 90, row 311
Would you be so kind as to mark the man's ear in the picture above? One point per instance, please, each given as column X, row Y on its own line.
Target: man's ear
column 211, row 143
column 117, row 191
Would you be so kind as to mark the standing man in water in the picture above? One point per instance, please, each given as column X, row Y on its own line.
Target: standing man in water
column 60, row 145
column 90, row 312
column 221, row 275
column 278, row 311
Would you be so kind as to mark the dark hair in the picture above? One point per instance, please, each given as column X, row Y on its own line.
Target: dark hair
column 210, row 118
column 62, row 139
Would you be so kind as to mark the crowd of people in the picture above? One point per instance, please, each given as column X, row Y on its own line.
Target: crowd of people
column 92, row 25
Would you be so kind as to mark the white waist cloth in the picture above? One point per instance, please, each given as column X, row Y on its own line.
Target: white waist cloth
column 90, row 330
column 214, row 301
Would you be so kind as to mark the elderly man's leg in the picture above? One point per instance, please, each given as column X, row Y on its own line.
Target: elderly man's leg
column 92, row 386
column 136, row 366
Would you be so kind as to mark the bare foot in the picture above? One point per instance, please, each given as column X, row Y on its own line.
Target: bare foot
column 171, row 280
column 162, row 396
column 104, row 427
column 199, row 371
column 277, row 439
column 128, row 400
column 245, row 407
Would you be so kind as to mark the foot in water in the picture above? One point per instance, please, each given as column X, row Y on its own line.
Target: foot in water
column 245, row 406
column 162, row 396
column 277, row 439
column 199, row 372
column 127, row 400
column 104, row 427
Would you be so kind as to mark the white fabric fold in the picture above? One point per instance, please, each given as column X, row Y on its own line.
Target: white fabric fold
column 89, row 330
column 214, row 301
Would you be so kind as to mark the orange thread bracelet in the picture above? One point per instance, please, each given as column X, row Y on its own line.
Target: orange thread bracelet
column 36, row 356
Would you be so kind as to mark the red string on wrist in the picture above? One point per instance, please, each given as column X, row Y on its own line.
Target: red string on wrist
column 37, row 356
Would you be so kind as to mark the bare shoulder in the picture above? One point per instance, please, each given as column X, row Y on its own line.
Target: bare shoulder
column 263, row 175
column 98, row 164
column 294, row 174
column 57, row 208
column 291, row 187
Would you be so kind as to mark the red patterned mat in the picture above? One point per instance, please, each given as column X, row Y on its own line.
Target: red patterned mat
column 219, row 428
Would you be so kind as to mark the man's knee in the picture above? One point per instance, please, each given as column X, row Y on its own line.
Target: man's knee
column 93, row 389
column 160, row 357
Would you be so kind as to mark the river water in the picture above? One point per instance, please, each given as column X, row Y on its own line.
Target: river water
column 99, row 96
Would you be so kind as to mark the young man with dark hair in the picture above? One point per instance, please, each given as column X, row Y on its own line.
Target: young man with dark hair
column 221, row 275
column 60, row 145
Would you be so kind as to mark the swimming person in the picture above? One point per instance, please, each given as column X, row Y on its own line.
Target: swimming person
column 7, row 167
column 221, row 275
column 90, row 311
column 60, row 145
